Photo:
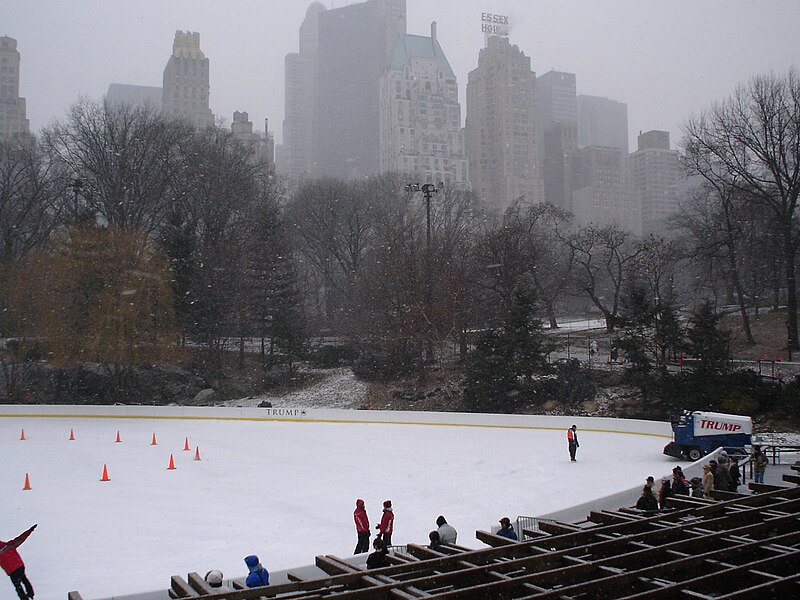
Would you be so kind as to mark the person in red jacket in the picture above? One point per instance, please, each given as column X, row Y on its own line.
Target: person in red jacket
column 386, row 526
column 12, row 564
column 362, row 527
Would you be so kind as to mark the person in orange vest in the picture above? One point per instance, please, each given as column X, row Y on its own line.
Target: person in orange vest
column 572, row 441
column 12, row 564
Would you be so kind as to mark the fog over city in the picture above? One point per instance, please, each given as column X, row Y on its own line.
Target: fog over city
column 665, row 60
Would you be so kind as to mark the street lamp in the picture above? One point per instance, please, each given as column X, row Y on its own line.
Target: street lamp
column 428, row 190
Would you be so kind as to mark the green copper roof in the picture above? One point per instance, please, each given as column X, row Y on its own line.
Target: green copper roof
column 408, row 46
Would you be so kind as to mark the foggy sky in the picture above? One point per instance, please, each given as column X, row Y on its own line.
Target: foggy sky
column 667, row 59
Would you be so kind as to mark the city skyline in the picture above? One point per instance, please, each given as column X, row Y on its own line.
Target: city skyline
column 665, row 62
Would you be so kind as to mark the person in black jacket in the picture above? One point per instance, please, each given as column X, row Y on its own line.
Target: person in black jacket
column 647, row 501
column 664, row 493
column 679, row 485
column 378, row 559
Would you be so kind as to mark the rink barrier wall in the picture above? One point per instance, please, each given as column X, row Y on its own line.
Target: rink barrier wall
column 314, row 415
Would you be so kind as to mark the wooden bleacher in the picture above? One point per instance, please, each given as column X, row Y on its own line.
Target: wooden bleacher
column 731, row 546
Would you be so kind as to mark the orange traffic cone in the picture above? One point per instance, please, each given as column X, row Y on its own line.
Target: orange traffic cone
column 171, row 466
column 118, row 438
column 153, row 443
column 197, row 453
column 105, row 474
column 186, row 444
column 22, row 435
column 27, row 485
column 71, row 434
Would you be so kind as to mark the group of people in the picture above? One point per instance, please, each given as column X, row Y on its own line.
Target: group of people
column 385, row 527
column 722, row 473
column 257, row 575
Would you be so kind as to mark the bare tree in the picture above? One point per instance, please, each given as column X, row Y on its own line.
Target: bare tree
column 128, row 157
column 750, row 143
column 603, row 257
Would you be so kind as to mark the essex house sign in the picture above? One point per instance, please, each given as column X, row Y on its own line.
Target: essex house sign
column 492, row 24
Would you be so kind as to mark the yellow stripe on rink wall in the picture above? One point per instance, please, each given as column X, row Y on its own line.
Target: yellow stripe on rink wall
column 312, row 415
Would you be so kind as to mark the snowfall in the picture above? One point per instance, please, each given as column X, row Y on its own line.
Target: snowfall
column 282, row 490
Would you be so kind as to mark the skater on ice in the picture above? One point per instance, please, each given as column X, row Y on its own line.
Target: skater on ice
column 572, row 441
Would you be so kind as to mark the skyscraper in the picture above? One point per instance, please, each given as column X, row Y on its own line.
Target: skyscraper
column 186, row 82
column 13, row 118
column 556, row 121
column 600, row 191
column 135, row 95
column 501, row 127
column 602, row 122
column 656, row 177
column 355, row 44
column 300, row 98
column 420, row 117
column 332, row 113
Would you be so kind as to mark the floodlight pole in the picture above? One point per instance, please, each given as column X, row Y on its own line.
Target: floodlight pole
column 428, row 190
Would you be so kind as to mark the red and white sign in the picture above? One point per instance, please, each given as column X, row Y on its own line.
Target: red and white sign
column 709, row 423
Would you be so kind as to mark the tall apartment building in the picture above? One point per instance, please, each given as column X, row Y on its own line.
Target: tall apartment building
column 297, row 160
column 336, row 76
column 186, row 86
column 13, row 118
column 602, row 122
column 501, row 127
column 135, row 95
column 559, row 143
column 556, row 111
column 420, row 117
column 600, row 192
column 656, row 177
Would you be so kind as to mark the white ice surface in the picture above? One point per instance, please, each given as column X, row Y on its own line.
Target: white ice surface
column 284, row 491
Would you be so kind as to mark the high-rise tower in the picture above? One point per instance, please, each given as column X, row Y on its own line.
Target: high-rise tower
column 332, row 119
column 420, row 117
column 655, row 175
column 186, row 82
column 501, row 126
column 602, row 122
column 13, row 119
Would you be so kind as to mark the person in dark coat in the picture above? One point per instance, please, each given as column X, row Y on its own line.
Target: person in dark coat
column 362, row 527
column 696, row 485
column 572, row 442
column 736, row 475
column 386, row 526
column 507, row 529
column 435, row 539
column 679, row 485
column 760, row 462
column 12, row 564
column 664, row 493
column 722, row 475
column 378, row 559
column 258, row 576
column 647, row 501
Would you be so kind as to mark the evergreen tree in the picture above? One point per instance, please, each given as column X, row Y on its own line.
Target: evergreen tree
column 707, row 342
column 503, row 364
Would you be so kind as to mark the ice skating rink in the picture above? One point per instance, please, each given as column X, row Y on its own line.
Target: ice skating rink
column 282, row 490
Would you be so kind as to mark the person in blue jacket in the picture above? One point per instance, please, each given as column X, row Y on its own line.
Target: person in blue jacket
column 507, row 529
column 258, row 574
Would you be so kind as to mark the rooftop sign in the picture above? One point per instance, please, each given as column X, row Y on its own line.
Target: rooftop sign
column 492, row 24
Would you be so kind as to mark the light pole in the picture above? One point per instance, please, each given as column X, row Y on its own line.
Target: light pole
column 428, row 190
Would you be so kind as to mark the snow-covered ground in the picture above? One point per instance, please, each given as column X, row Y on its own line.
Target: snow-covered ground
column 338, row 388
column 282, row 490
